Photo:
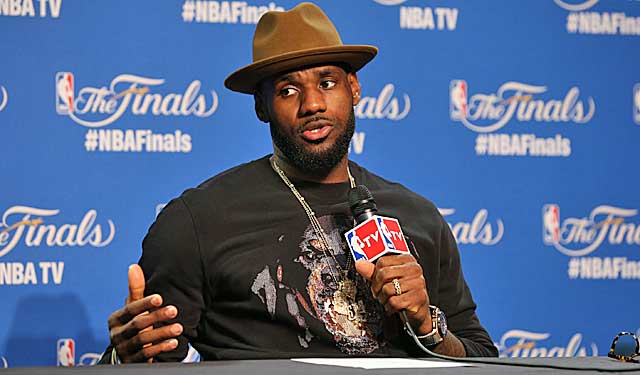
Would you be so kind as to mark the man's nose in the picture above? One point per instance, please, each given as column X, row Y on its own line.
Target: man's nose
column 313, row 101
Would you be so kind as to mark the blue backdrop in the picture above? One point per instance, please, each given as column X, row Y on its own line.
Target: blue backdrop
column 519, row 119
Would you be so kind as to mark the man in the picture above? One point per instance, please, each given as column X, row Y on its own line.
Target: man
column 253, row 264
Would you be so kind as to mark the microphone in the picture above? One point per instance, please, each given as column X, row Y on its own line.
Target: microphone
column 374, row 235
column 361, row 203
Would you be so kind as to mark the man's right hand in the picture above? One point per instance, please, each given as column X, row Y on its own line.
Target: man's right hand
column 131, row 328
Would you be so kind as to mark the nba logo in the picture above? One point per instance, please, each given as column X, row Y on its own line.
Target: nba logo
column 66, row 352
column 64, row 93
column 636, row 103
column 458, row 99
column 385, row 233
column 356, row 244
column 393, row 233
column 365, row 242
column 551, row 224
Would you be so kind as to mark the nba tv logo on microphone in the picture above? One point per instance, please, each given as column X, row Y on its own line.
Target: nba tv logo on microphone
column 375, row 237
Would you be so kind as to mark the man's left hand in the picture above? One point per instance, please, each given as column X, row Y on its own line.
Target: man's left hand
column 413, row 297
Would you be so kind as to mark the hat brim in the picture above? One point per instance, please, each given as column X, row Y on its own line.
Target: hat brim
column 246, row 79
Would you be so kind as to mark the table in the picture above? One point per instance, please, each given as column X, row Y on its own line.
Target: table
column 590, row 365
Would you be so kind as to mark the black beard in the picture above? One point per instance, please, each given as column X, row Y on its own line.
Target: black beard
column 314, row 163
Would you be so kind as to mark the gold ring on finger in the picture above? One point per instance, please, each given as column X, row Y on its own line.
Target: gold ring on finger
column 396, row 286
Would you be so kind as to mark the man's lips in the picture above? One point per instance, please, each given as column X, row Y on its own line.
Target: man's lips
column 316, row 130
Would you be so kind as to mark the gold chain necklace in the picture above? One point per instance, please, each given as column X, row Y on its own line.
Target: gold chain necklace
column 345, row 295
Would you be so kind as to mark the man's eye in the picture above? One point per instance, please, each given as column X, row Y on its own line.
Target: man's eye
column 327, row 84
column 287, row 91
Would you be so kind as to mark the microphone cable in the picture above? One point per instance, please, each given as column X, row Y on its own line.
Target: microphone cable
column 413, row 335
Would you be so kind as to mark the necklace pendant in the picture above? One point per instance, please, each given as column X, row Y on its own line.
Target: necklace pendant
column 347, row 288
column 340, row 305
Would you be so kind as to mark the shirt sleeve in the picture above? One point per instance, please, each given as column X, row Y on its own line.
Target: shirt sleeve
column 456, row 300
column 172, row 264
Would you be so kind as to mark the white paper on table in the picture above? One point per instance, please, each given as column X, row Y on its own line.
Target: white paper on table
column 379, row 363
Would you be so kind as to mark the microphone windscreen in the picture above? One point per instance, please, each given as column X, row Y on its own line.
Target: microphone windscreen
column 361, row 201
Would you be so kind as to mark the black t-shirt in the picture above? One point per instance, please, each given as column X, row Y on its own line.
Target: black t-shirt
column 240, row 260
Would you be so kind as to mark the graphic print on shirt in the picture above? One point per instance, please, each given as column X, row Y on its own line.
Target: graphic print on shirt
column 264, row 281
column 344, row 304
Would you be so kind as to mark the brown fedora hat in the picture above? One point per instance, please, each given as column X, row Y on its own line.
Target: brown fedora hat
column 288, row 40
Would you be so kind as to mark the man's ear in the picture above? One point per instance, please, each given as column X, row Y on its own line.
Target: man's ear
column 355, row 87
column 260, row 107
